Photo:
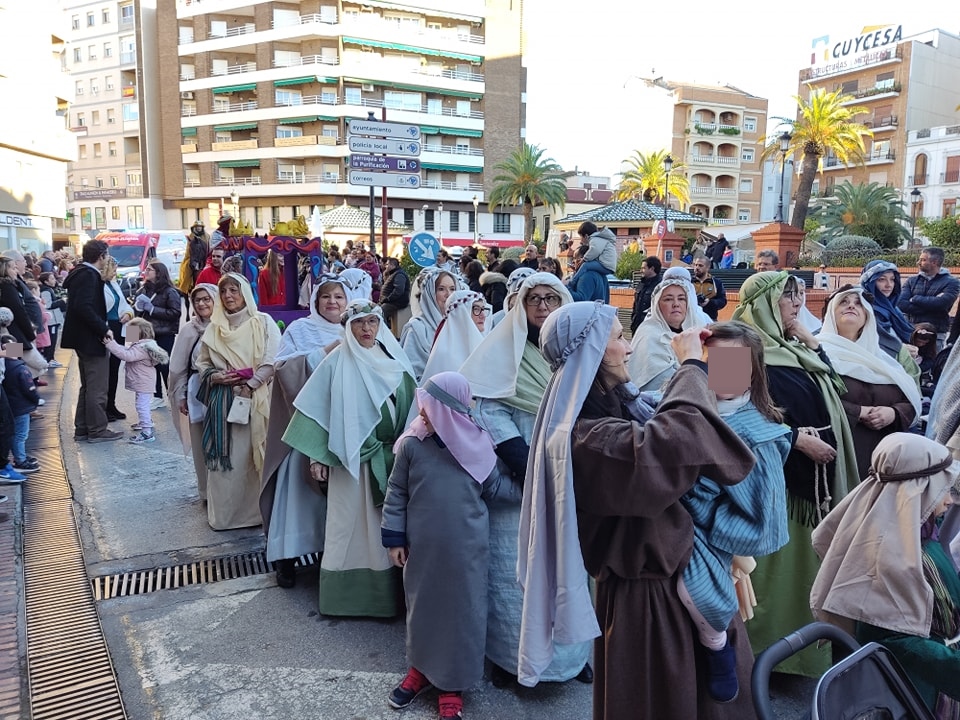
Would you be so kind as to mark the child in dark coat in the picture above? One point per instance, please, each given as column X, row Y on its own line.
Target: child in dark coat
column 22, row 395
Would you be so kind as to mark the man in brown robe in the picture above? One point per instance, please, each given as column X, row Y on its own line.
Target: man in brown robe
column 636, row 538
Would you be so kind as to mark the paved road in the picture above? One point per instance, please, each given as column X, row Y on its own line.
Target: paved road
column 244, row 648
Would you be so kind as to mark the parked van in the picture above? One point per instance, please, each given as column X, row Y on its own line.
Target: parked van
column 133, row 250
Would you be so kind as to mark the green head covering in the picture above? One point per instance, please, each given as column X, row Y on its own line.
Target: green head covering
column 760, row 307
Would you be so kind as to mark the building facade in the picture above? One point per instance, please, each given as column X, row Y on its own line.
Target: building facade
column 35, row 144
column 905, row 84
column 115, row 180
column 263, row 92
column 933, row 169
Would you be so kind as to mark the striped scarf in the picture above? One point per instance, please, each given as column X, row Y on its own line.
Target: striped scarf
column 945, row 624
column 216, row 429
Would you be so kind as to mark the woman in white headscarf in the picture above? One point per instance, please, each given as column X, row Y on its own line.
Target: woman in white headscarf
column 653, row 362
column 508, row 377
column 291, row 505
column 463, row 327
column 348, row 416
column 881, row 398
column 358, row 283
column 236, row 361
column 431, row 288
column 188, row 412
column 602, row 492
column 886, row 576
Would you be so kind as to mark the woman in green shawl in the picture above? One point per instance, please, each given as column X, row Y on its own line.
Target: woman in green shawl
column 820, row 469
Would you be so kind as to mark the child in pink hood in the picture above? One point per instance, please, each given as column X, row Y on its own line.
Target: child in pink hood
column 140, row 359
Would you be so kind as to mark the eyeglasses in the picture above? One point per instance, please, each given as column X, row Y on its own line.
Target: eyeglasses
column 551, row 301
column 368, row 321
column 480, row 311
column 793, row 296
column 206, row 300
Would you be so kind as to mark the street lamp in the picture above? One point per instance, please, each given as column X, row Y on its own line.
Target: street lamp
column 667, row 166
column 440, row 223
column 914, row 206
column 784, row 146
column 476, row 221
column 235, row 200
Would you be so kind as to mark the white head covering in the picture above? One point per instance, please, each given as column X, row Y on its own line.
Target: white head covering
column 683, row 273
column 492, row 368
column 306, row 334
column 556, row 598
column 417, row 335
column 804, row 316
column 358, row 283
column 652, row 352
column 872, row 568
column 346, row 392
column 864, row 360
column 458, row 336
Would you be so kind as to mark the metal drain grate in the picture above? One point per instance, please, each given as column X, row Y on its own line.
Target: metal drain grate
column 199, row 572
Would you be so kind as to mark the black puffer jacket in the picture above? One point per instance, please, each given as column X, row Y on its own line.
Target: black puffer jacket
column 165, row 316
column 494, row 288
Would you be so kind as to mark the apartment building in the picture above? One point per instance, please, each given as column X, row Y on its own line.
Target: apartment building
column 906, row 85
column 115, row 180
column 264, row 90
column 933, row 170
column 35, row 144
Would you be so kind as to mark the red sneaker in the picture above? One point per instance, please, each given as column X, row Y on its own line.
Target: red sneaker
column 451, row 706
column 413, row 685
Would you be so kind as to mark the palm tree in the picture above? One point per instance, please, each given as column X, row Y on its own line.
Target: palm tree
column 646, row 176
column 825, row 126
column 871, row 210
column 527, row 177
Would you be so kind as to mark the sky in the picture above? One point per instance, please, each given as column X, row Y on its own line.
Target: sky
column 582, row 60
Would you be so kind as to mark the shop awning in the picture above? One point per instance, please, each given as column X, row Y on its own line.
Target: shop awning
column 238, row 163
column 431, row 130
column 295, row 81
column 297, row 120
column 412, row 49
column 450, row 168
column 226, row 90
column 236, row 126
column 188, row 131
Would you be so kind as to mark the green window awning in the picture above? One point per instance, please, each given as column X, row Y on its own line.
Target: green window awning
column 238, row 163
column 413, row 49
column 450, row 168
column 429, row 130
column 226, row 90
column 415, row 88
column 327, row 80
column 297, row 120
column 188, row 131
column 236, row 126
column 328, row 118
column 460, row 132
column 295, row 81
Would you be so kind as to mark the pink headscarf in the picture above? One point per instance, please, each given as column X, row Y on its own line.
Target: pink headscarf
column 446, row 398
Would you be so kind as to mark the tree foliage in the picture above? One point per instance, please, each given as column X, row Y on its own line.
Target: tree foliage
column 646, row 179
column 825, row 126
column 867, row 209
column 629, row 261
column 944, row 232
column 850, row 246
column 527, row 178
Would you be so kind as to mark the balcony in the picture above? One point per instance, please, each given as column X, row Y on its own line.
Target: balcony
column 128, row 58
column 917, row 180
column 298, row 141
column 703, row 159
column 950, row 176
column 234, row 145
column 722, row 221
column 391, row 29
column 881, row 156
column 726, row 191
column 307, row 60
column 232, row 181
column 882, row 122
column 453, row 150
column 235, row 107
column 701, row 191
column 236, row 69
column 134, row 191
column 188, row 148
column 234, row 32
column 446, row 185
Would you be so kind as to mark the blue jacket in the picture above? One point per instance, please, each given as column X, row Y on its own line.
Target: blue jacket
column 921, row 299
column 19, row 387
column 590, row 283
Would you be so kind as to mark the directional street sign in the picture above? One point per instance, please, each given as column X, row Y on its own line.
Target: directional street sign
column 356, row 126
column 423, row 249
column 388, row 147
column 383, row 179
column 384, row 163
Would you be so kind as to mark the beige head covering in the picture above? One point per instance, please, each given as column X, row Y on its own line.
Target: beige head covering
column 870, row 544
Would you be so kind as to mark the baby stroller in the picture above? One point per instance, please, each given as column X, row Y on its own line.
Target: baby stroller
column 868, row 684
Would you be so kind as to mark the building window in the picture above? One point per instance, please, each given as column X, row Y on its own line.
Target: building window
column 135, row 179
column 396, row 100
column 90, row 21
column 131, row 112
column 75, row 22
column 288, row 172
column 330, row 131
column 288, row 131
column 328, row 97
column 83, row 151
column 95, row 116
column 850, row 86
column 81, row 120
column 218, row 28
column 743, row 216
column 77, row 55
column 428, row 220
column 408, row 217
column 108, row 82
column 112, row 149
column 78, row 87
column 111, row 115
column 107, row 50
column 746, row 185
column 221, row 104
column 98, row 182
column 462, row 146
column 351, row 95
column 455, row 221
column 885, row 81
column 257, row 216
column 115, row 212
column 288, row 97
column 749, row 124
column 274, row 215
column 471, row 221
column 114, row 181
column 94, row 88
column 463, row 108
column 501, row 222
column 101, row 215
column 126, row 14
column 222, row 136
column 135, row 216
column 106, row 15
column 746, row 155
column 91, row 52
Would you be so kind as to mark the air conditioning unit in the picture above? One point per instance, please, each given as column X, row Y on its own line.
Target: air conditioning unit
column 186, row 95
column 111, row 120
column 367, row 87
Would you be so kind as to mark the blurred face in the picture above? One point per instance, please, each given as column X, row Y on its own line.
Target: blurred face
column 789, row 304
column 11, row 269
column 764, row 264
column 884, row 283
column 648, row 272
column 202, row 304
column 365, row 329
column 673, row 305
column 613, row 365
column 850, row 316
column 926, row 264
column 50, row 280
column 700, row 268
column 20, row 265
column 426, row 421
column 331, row 302
column 232, row 297
column 216, row 259
column 729, row 373
column 950, row 499
column 150, row 274
column 478, row 314
column 444, row 286
column 541, row 300
column 531, row 252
